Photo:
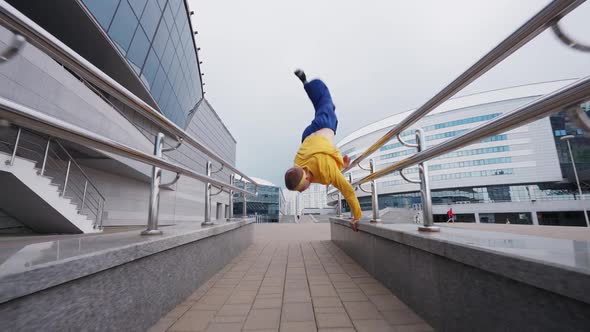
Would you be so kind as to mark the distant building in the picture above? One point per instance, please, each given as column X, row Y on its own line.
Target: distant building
column 523, row 175
column 314, row 197
column 268, row 205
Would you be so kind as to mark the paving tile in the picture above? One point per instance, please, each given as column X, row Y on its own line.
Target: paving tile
column 364, row 280
column 329, row 310
column 340, row 277
column 414, row 328
column 338, row 329
column 327, row 302
column 362, row 310
column 162, row 325
column 297, row 296
column 220, row 291
column 402, row 317
column 178, row 311
column 193, row 321
column 210, row 302
column 345, row 285
column 267, row 303
column 374, row 289
column 298, row 326
column 351, row 295
column 242, row 297
column 324, row 290
column 234, row 310
column 387, row 302
column 271, row 290
column 378, row 325
column 224, row 327
column 297, row 312
column 333, row 320
column 229, row 319
column 259, row 319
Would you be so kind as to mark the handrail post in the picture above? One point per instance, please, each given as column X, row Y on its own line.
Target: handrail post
column 339, row 206
column 84, row 197
column 45, row 158
column 244, row 208
column 207, row 221
column 152, row 226
column 425, row 188
column 374, row 195
column 15, row 147
column 101, row 205
column 63, row 193
column 230, row 214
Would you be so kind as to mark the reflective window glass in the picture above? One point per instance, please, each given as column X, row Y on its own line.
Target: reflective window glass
column 167, row 58
column 151, row 67
column 161, row 3
column 160, row 40
column 158, row 83
column 175, row 5
column 139, row 48
column 123, row 26
column 150, row 18
column 168, row 16
column 102, row 10
column 174, row 36
column 181, row 20
column 137, row 6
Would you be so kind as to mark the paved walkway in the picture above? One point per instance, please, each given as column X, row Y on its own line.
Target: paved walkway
column 292, row 286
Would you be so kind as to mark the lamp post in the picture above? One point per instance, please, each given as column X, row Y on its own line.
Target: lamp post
column 567, row 139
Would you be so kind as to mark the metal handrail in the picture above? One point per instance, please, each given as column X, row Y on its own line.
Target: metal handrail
column 37, row 36
column 575, row 93
column 533, row 27
column 80, row 169
column 30, row 118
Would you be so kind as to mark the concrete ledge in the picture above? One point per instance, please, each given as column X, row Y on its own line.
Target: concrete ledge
column 467, row 280
column 112, row 282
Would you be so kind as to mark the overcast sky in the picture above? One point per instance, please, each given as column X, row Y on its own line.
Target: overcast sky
column 377, row 57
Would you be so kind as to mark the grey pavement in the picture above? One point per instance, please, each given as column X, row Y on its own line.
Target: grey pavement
column 296, row 285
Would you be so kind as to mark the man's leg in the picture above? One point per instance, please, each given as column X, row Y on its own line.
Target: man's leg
column 325, row 111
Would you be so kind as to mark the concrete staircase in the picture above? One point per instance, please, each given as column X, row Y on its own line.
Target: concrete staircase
column 36, row 201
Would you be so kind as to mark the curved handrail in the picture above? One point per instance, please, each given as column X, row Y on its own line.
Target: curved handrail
column 25, row 116
column 533, row 27
column 37, row 36
column 80, row 169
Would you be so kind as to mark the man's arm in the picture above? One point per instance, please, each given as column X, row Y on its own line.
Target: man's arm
column 347, row 191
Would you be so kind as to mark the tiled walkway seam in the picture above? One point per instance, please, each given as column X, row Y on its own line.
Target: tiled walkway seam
column 292, row 286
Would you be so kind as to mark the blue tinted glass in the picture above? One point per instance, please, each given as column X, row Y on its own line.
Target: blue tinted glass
column 173, row 69
column 139, row 48
column 162, row 3
column 168, row 16
column 102, row 10
column 158, row 83
column 150, row 18
column 167, row 58
column 175, row 5
column 166, row 92
column 123, row 26
column 137, row 6
column 151, row 67
column 181, row 20
column 160, row 40
column 175, row 37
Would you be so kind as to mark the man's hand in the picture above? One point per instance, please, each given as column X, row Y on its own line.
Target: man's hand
column 346, row 160
column 354, row 224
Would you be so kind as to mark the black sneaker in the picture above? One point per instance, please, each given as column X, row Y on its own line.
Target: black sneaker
column 301, row 75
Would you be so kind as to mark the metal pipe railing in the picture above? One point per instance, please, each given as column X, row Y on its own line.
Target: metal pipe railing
column 573, row 94
column 37, row 36
column 533, row 27
column 27, row 117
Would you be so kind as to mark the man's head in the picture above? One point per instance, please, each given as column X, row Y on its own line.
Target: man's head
column 297, row 179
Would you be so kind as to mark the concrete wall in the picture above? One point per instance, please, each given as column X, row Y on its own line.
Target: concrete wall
column 462, row 288
column 133, row 294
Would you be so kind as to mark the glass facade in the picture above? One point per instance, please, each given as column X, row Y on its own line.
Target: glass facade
column 564, row 124
column 266, row 205
column 156, row 40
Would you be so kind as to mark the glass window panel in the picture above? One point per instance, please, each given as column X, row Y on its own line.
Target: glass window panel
column 181, row 20
column 160, row 40
column 158, row 85
column 169, row 17
column 175, row 6
column 150, row 18
column 139, row 48
column 162, row 3
column 151, row 67
column 137, row 6
column 175, row 36
column 167, row 58
column 123, row 26
column 103, row 10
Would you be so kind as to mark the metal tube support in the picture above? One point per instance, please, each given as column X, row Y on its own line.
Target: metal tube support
column 427, row 217
column 45, row 158
column 232, row 178
column 339, row 206
column 63, row 193
column 15, row 147
column 101, row 206
column 374, row 195
column 207, row 221
column 244, row 208
column 84, row 196
column 152, row 226
column 569, row 147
